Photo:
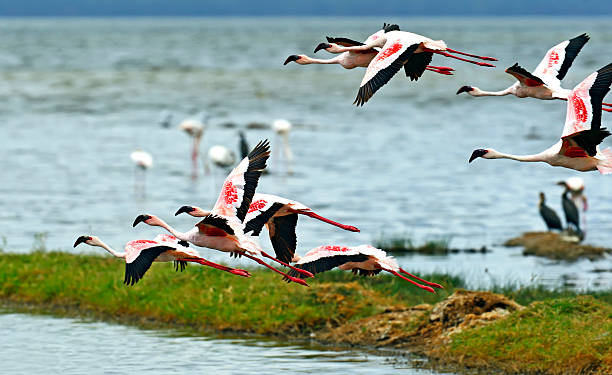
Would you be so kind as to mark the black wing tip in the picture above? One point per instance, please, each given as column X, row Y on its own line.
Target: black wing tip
column 390, row 27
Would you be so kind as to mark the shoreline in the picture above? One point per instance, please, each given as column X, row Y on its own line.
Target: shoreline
column 457, row 330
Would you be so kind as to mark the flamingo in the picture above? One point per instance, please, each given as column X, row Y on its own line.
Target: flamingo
column 221, row 156
column 400, row 49
column 545, row 81
column 279, row 215
column 549, row 215
column 578, row 148
column 223, row 228
column 365, row 260
column 142, row 161
column 195, row 129
column 282, row 128
column 140, row 254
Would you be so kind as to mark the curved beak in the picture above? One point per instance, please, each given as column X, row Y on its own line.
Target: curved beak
column 140, row 218
column 81, row 240
column 477, row 154
column 291, row 58
column 464, row 89
column 322, row 46
column 184, row 209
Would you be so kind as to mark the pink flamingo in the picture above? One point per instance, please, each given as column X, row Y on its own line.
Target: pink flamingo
column 140, row 254
column 223, row 228
column 279, row 215
column 365, row 260
column 400, row 49
column 545, row 81
column 578, row 147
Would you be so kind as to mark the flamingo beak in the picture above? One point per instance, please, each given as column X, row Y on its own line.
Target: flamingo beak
column 478, row 154
column 322, row 46
column 464, row 89
column 82, row 239
column 140, row 218
column 184, row 209
column 291, row 58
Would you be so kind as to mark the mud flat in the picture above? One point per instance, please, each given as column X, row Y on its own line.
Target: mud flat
column 554, row 246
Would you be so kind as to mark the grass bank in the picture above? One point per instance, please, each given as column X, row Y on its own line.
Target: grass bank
column 557, row 332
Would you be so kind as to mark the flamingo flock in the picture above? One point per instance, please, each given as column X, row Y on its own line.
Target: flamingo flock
column 240, row 213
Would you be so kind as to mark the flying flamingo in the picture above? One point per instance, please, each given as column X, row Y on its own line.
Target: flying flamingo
column 140, row 254
column 400, row 49
column 549, row 215
column 195, row 129
column 223, row 229
column 354, row 59
column 545, row 81
column 365, row 260
column 279, row 215
column 282, row 128
column 578, row 148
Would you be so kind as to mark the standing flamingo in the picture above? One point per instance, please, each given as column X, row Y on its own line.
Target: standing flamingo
column 195, row 129
column 578, row 148
column 354, row 59
column 399, row 49
column 282, row 128
column 545, row 81
column 365, row 260
column 140, row 254
column 142, row 161
column 223, row 228
column 221, row 157
column 279, row 215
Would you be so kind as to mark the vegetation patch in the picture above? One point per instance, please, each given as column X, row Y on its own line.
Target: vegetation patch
column 554, row 246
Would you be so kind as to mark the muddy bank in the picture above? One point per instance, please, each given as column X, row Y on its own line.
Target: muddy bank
column 555, row 246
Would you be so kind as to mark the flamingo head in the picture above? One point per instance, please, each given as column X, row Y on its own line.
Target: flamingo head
column 89, row 240
column 192, row 210
column 481, row 153
column 464, row 89
column 300, row 59
column 147, row 219
column 321, row 46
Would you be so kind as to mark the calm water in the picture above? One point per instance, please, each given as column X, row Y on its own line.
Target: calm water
column 77, row 96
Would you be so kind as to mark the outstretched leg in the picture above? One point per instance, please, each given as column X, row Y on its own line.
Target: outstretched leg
column 435, row 285
column 326, row 220
column 303, row 272
column 291, row 278
column 427, row 288
column 441, row 68
column 470, row 55
column 460, row 58
column 205, row 262
column 606, row 109
column 445, row 72
column 607, row 104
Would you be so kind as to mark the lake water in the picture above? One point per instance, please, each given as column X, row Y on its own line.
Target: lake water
column 77, row 96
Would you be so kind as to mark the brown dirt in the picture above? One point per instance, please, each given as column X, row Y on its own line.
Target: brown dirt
column 424, row 327
column 553, row 246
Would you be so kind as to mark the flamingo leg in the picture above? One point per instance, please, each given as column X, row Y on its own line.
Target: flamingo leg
column 205, row 262
column 303, row 272
column 435, row 285
column 445, row 72
column 427, row 288
column 607, row 109
column 460, row 58
column 291, row 278
column 607, row 104
column 441, row 67
column 326, row 220
column 470, row 55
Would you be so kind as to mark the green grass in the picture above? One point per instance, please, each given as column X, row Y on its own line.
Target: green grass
column 559, row 336
column 402, row 243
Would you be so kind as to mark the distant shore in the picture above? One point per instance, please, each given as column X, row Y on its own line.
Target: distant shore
column 528, row 331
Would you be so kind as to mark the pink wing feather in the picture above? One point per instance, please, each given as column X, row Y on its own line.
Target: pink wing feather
column 579, row 108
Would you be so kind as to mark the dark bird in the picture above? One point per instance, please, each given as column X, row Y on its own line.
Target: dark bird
column 549, row 215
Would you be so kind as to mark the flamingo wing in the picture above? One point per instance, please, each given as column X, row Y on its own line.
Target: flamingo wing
column 259, row 214
column 142, row 258
column 325, row 258
column 215, row 226
column 385, row 65
column 282, row 236
column 559, row 59
column 584, row 104
column 523, row 76
column 239, row 186
column 416, row 64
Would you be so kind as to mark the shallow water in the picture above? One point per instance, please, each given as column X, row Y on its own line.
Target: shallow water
column 78, row 95
column 70, row 346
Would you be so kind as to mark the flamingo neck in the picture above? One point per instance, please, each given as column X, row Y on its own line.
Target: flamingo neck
column 525, row 158
column 174, row 232
column 478, row 92
column 111, row 250
column 309, row 60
